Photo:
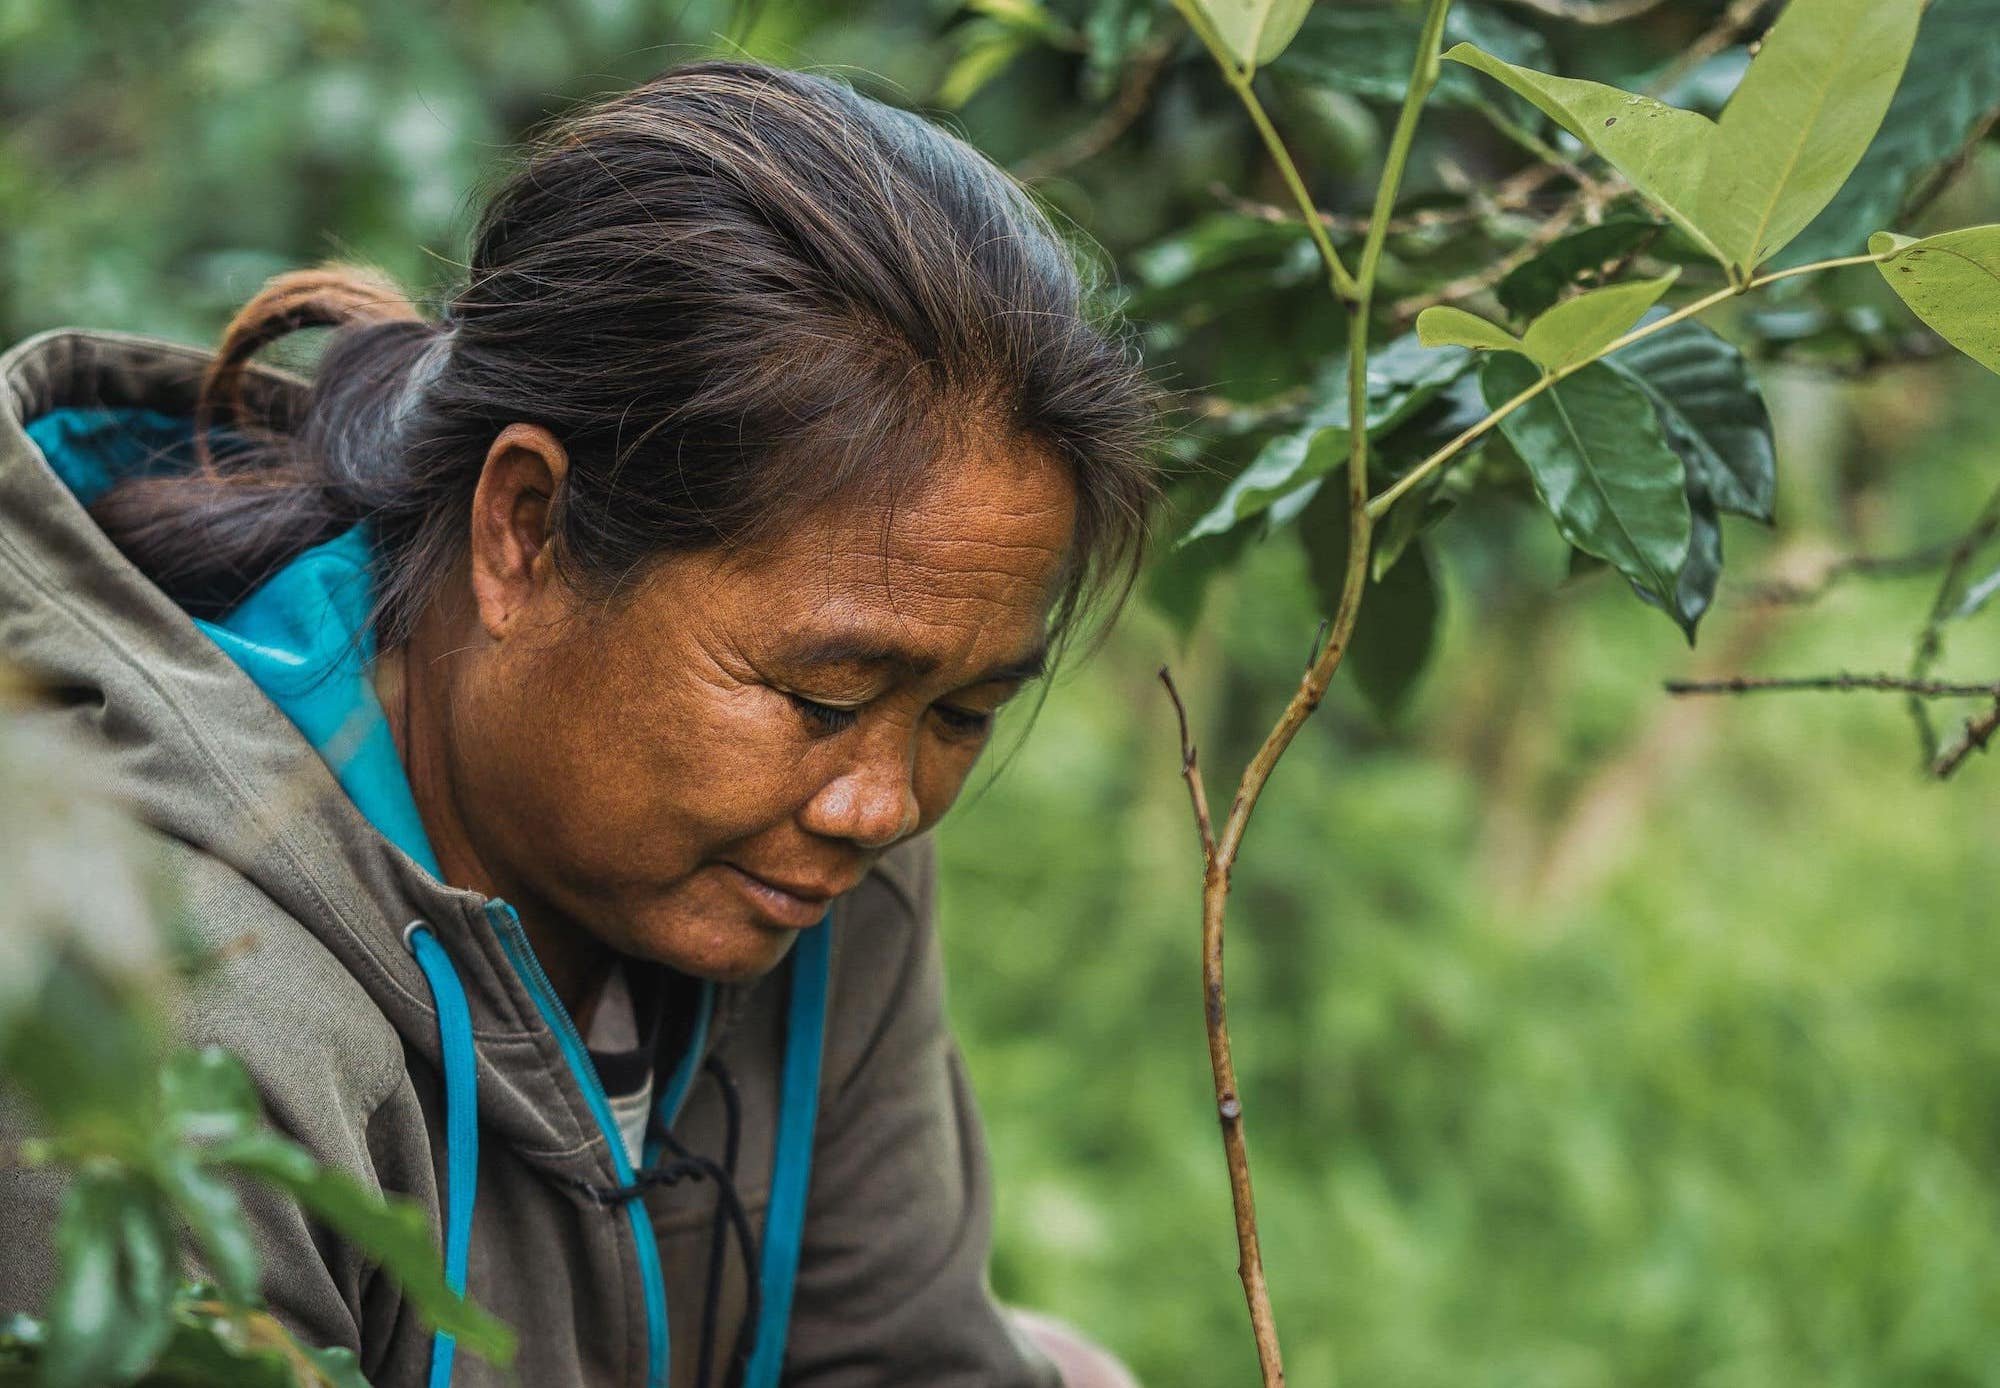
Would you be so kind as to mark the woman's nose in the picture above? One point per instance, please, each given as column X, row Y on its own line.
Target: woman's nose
column 871, row 803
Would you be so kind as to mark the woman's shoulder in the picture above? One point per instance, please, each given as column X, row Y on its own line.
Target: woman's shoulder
column 323, row 1055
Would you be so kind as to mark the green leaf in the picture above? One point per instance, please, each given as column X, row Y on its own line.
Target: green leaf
column 1577, row 329
column 1952, row 282
column 212, row 1348
column 208, row 1095
column 1368, row 50
column 1402, row 377
column 1255, row 31
column 1217, row 240
column 1594, row 448
column 111, row 1311
column 1399, row 622
column 1397, row 633
column 1443, row 325
column 1949, row 93
column 393, row 1232
column 1712, row 412
column 1409, row 518
column 1800, row 121
column 1694, row 590
column 1532, row 287
column 986, row 48
column 1281, row 466
column 207, row 1204
column 1662, row 150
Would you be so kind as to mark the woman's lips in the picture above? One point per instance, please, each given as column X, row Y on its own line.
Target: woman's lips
column 788, row 907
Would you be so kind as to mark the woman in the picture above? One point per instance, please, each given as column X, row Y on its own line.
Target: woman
column 547, row 706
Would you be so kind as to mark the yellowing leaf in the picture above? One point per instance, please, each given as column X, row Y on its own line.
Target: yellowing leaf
column 1663, row 150
column 1441, row 325
column 1952, row 282
column 1801, row 120
column 1255, row 31
column 1579, row 328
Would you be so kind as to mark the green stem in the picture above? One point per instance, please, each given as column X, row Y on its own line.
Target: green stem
column 1423, row 76
column 1238, row 76
column 1389, row 496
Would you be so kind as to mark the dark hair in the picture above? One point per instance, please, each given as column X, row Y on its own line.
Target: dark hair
column 732, row 293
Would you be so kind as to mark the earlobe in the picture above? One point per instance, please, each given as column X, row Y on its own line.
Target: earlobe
column 510, row 558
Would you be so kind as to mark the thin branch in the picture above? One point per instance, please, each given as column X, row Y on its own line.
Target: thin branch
column 1135, row 93
column 1978, row 731
column 1189, row 771
column 1725, row 31
column 1779, row 592
column 1339, row 279
column 1892, row 684
column 1930, row 639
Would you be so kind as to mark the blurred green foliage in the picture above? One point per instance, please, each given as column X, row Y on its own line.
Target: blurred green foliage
column 1586, row 1038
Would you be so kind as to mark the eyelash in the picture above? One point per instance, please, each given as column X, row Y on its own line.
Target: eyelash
column 826, row 717
column 830, row 718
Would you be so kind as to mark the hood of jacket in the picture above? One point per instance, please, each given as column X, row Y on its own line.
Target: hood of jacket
column 206, row 757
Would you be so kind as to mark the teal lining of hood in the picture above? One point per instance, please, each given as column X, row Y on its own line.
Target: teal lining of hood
column 303, row 635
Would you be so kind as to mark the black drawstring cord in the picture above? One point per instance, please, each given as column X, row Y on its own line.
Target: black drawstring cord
column 729, row 1216
column 746, row 1330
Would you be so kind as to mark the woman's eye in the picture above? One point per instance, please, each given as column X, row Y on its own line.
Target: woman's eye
column 826, row 718
column 962, row 721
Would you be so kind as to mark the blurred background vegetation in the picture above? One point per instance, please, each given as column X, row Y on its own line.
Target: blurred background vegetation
column 1587, row 1037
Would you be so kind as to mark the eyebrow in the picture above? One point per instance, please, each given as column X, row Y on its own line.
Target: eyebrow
column 908, row 663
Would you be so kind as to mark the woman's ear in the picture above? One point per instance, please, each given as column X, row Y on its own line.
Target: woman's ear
column 512, row 561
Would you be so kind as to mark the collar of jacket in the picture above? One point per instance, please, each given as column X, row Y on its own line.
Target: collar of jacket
column 202, row 754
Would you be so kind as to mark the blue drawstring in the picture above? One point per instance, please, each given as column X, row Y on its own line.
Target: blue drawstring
column 461, row 1123
column 791, row 1174
column 791, row 1171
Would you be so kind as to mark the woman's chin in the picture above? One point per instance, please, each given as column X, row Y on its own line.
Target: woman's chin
column 727, row 947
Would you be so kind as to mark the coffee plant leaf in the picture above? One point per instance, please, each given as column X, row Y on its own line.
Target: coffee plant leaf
column 1662, row 150
column 1952, row 282
column 1601, row 465
column 1254, row 31
column 1444, row 325
column 1712, row 412
column 111, row 1311
column 1800, row 121
column 1369, row 51
column 1949, row 93
column 1530, row 288
column 1579, row 328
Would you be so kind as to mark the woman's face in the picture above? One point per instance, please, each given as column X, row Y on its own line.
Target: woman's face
column 691, row 775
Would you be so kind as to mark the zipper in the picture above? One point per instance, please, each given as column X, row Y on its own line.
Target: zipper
column 514, row 942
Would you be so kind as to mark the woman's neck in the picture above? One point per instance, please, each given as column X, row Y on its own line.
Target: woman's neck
column 412, row 684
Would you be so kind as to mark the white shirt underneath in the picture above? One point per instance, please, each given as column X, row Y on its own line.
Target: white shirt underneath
column 614, row 1026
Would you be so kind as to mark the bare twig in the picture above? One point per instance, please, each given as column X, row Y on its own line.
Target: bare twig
column 1893, row 684
column 1552, row 230
column 1189, row 771
column 1781, row 592
column 1725, row 31
column 1978, row 731
column 1135, row 92
column 1930, row 639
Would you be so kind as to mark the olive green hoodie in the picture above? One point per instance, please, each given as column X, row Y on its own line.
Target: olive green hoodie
column 322, row 997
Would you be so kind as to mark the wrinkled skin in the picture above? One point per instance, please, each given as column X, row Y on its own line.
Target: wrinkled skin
column 691, row 771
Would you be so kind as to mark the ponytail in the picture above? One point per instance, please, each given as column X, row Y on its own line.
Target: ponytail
column 272, row 475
